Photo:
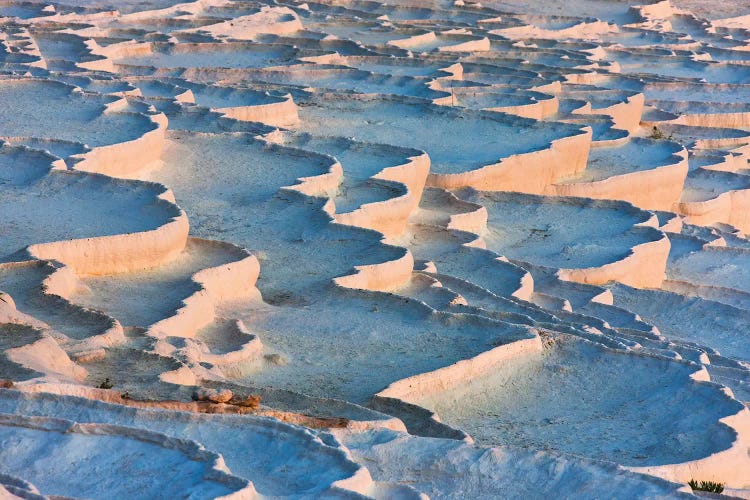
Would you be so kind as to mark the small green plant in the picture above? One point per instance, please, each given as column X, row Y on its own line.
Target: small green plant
column 658, row 135
column 105, row 385
column 710, row 486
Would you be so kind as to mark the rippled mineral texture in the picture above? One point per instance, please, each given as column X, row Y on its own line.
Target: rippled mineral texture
column 348, row 249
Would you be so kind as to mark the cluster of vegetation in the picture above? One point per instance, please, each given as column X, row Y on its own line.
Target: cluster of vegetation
column 710, row 486
column 657, row 134
column 105, row 385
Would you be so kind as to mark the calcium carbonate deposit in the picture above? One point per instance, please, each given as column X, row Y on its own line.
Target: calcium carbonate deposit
column 362, row 249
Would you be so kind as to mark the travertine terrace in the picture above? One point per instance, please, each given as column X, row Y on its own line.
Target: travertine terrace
column 349, row 249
